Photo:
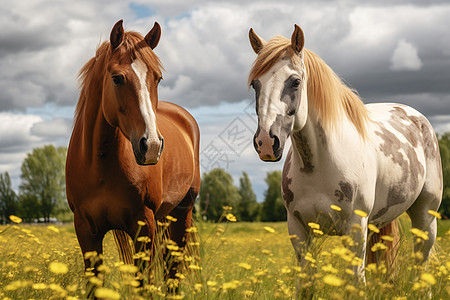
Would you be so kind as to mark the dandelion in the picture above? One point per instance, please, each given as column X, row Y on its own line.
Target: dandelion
column 191, row 229
column 360, row 213
column 58, row 268
column 15, row 219
column 194, row 267
column 378, row 246
column 173, row 247
column 373, row 228
column 141, row 223
column 90, row 254
column 211, row 283
column 171, row 219
column 335, row 207
column 269, row 229
column 428, row 278
column 245, row 266
column 332, row 280
column 144, row 239
column 387, row 238
column 314, row 225
column 330, row 269
column 230, row 217
column 349, row 272
column 419, row 233
column 435, row 214
column 53, row 228
column 232, row 285
column 128, row 268
column 318, row 232
column 105, row 293
column 39, row 286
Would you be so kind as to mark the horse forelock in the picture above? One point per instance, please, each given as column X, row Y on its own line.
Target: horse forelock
column 91, row 74
column 328, row 96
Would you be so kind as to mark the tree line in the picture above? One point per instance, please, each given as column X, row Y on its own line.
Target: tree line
column 41, row 193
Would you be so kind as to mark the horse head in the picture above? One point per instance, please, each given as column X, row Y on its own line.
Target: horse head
column 130, row 97
column 278, row 77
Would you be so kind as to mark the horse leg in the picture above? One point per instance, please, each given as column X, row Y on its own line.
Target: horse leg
column 421, row 219
column 356, row 228
column 90, row 240
column 301, row 242
column 177, row 231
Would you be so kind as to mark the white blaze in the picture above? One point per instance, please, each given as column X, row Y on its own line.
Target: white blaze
column 145, row 103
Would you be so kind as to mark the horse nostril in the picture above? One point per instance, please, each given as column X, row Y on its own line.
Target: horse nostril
column 143, row 145
column 276, row 143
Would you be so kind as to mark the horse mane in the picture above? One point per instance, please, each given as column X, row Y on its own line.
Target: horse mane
column 328, row 95
column 92, row 73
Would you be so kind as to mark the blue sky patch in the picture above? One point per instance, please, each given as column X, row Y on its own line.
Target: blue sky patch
column 142, row 11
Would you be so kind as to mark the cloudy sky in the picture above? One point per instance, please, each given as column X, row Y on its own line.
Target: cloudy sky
column 388, row 52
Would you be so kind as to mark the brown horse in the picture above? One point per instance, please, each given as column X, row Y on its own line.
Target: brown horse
column 131, row 157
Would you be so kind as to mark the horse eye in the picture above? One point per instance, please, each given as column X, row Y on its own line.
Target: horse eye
column 118, row 79
column 296, row 83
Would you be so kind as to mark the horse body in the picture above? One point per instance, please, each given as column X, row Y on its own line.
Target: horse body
column 382, row 159
column 131, row 157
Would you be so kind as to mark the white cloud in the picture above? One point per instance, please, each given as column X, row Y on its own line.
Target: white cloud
column 405, row 57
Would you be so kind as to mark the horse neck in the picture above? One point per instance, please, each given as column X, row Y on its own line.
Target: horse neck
column 318, row 147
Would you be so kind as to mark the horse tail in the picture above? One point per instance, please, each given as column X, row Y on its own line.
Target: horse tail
column 390, row 254
column 124, row 246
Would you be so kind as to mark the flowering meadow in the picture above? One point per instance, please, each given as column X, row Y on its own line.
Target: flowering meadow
column 227, row 260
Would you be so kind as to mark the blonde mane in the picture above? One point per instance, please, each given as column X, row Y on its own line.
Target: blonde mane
column 327, row 94
column 92, row 73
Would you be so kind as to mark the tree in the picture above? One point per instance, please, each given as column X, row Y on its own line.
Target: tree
column 273, row 209
column 29, row 208
column 444, row 147
column 8, row 199
column 217, row 190
column 247, row 207
column 43, row 177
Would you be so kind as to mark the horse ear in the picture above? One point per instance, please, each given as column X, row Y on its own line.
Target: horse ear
column 256, row 42
column 297, row 39
column 152, row 38
column 117, row 35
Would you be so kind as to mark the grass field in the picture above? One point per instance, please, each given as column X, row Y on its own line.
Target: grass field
column 232, row 261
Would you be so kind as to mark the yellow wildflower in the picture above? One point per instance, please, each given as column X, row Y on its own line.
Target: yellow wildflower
column 173, row 247
column 194, row 267
column 387, row 238
column 330, row 269
column 373, row 228
column 335, row 207
column 435, row 214
column 58, row 268
column 53, row 228
column 378, row 246
column 105, row 293
column 39, row 286
column 128, row 268
column 211, row 283
column 141, row 223
column 318, row 232
column 360, row 213
column 428, row 278
column 15, row 219
column 332, row 280
column 314, row 225
column 419, row 233
column 245, row 266
column 191, row 229
column 171, row 219
column 230, row 217
column 269, row 229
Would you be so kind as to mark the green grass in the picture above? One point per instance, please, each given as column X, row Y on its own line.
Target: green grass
column 230, row 261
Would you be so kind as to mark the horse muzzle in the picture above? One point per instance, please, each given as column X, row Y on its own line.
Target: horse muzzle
column 148, row 151
column 267, row 146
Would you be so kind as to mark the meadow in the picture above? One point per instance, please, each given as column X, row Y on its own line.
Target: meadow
column 229, row 260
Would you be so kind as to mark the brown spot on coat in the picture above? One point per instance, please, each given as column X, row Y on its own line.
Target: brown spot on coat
column 345, row 192
column 288, row 196
column 304, row 150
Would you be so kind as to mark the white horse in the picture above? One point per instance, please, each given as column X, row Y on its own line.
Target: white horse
column 382, row 159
